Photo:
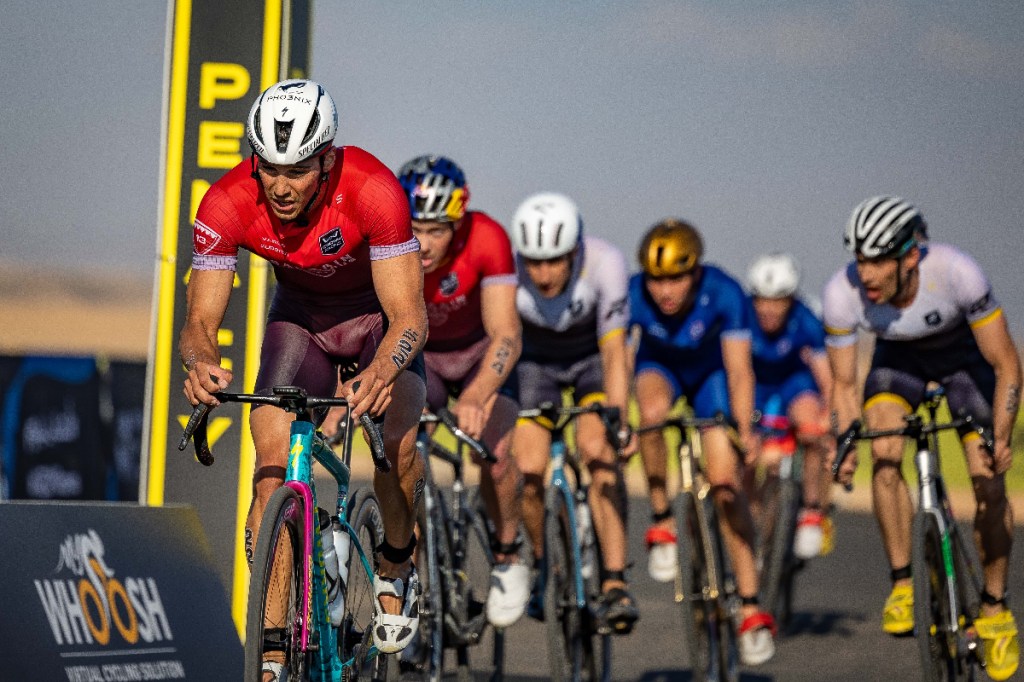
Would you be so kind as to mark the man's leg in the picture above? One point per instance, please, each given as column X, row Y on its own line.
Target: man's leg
column 501, row 485
column 608, row 511
column 654, row 396
column 531, row 446
column 813, row 535
column 400, row 490
column 893, row 508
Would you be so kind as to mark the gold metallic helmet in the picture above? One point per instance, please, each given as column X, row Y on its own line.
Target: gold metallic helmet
column 670, row 248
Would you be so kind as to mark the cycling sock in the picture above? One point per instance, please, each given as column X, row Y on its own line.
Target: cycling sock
column 396, row 555
column 506, row 547
column 615, row 575
column 749, row 601
column 900, row 573
column 989, row 600
column 658, row 517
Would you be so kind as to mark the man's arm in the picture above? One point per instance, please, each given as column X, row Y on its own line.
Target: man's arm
column 206, row 303
column 817, row 362
column 842, row 361
column 739, row 375
column 616, row 368
column 398, row 282
column 501, row 323
column 997, row 347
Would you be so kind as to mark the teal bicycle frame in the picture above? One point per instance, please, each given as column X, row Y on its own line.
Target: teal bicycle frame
column 315, row 632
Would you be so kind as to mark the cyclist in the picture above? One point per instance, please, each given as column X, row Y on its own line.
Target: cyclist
column 333, row 221
column 695, row 342
column 572, row 301
column 935, row 319
column 791, row 373
column 475, row 340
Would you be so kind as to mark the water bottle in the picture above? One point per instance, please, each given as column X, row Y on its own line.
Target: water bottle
column 585, row 534
column 333, row 539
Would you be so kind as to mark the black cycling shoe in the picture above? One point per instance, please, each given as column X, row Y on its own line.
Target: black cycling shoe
column 616, row 613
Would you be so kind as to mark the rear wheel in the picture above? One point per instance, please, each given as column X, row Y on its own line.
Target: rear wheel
column 777, row 559
column 570, row 649
column 274, row 613
column 936, row 642
column 354, row 633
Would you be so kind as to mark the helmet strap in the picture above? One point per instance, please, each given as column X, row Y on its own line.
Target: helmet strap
column 324, row 177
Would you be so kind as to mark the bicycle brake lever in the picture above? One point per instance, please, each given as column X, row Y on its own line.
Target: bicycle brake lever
column 380, row 458
column 195, row 430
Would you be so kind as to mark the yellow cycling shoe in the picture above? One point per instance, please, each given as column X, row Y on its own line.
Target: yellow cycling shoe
column 1002, row 650
column 898, row 614
column 828, row 535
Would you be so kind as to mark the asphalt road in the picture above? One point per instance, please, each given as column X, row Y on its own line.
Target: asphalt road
column 835, row 632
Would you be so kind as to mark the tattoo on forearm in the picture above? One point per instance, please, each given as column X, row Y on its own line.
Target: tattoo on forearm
column 403, row 350
column 1013, row 399
column 502, row 355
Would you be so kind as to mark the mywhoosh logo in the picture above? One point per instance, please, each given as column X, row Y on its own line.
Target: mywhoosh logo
column 94, row 604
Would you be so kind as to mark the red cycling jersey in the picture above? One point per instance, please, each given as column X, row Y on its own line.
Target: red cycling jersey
column 479, row 255
column 363, row 216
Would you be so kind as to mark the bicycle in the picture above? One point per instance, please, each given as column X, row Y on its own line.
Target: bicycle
column 780, row 508
column 572, row 581
column 947, row 577
column 289, row 553
column 704, row 587
column 456, row 562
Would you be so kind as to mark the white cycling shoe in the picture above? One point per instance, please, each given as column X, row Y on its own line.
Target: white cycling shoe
column 280, row 674
column 393, row 632
column 510, row 590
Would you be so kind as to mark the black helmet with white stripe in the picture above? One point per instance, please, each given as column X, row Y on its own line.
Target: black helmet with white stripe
column 884, row 227
column 546, row 226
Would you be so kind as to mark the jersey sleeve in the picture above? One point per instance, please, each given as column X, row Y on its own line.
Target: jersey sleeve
column 384, row 215
column 734, row 310
column 613, row 303
column 214, row 246
column 813, row 329
column 493, row 253
column 973, row 291
column 839, row 311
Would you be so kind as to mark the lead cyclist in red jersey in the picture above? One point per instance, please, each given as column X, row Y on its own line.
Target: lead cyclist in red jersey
column 335, row 224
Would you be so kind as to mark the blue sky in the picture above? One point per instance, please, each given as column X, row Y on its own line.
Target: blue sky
column 762, row 123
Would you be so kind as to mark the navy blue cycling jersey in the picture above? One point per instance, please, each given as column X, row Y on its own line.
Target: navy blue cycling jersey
column 778, row 357
column 691, row 345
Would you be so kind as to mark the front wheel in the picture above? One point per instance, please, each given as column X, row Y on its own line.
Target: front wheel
column 274, row 614
column 936, row 638
column 570, row 649
column 354, row 636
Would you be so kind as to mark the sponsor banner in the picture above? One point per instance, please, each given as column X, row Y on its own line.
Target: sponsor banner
column 111, row 592
column 220, row 56
column 70, row 428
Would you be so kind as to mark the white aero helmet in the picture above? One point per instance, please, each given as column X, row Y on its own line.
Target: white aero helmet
column 291, row 121
column 884, row 227
column 774, row 275
column 547, row 225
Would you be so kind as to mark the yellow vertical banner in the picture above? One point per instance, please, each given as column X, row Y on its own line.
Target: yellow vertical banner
column 219, row 56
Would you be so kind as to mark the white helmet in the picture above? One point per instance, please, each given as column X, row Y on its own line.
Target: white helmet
column 292, row 121
column 547, row 225
column 774, row 275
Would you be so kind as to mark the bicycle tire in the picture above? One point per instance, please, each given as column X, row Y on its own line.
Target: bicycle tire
column 969, row 585
column 282, row 528
column 778, row 561
column 570, row 650
column 427, row 662
column 473, row 565
column 931, row 600
column 354, row 633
